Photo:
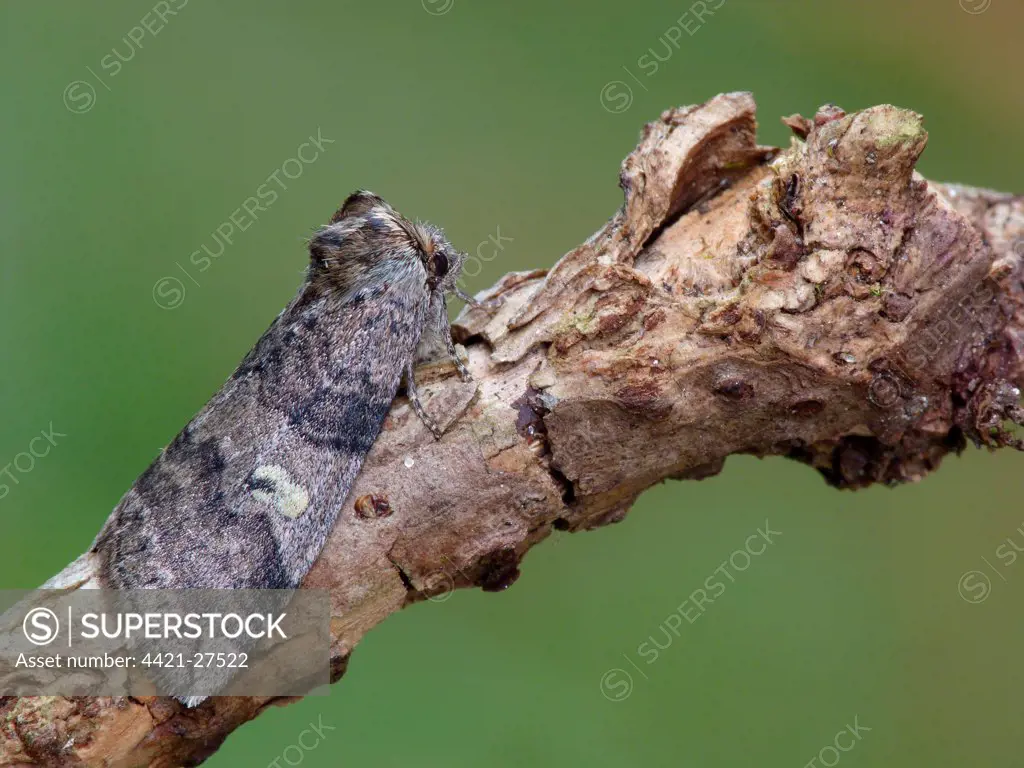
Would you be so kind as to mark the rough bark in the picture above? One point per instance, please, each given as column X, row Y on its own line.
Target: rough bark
column 822, row 302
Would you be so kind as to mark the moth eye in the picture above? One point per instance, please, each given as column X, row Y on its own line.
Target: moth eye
column 440, row 264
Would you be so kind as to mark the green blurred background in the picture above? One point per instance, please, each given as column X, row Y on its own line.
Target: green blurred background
column 484, row 116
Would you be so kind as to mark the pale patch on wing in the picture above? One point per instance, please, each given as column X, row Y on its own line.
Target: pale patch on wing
column 275, row 486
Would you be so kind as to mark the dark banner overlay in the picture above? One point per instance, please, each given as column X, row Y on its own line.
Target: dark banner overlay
column 161, row 642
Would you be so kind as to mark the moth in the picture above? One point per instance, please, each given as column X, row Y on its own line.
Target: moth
column 245, row 496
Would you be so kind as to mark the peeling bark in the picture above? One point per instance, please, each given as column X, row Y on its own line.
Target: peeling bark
column 822, row 302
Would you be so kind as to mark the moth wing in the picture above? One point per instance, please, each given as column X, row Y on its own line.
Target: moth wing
column 245, row 495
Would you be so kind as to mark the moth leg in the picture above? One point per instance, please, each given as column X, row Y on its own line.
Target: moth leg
column 467, row 298
column 417, row 406
column 443, row 329
column 449, row 344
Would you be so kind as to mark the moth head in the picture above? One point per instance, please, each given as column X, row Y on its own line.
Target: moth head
column 441, row 260
column 366, row 233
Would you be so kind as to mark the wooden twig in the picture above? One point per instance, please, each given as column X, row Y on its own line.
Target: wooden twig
column 822, row 302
